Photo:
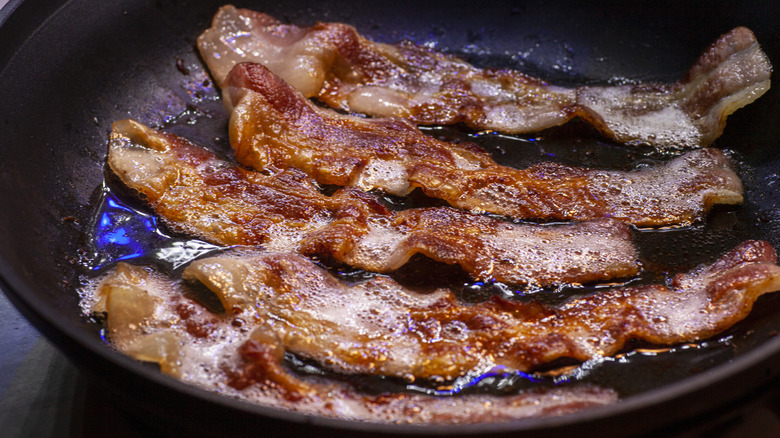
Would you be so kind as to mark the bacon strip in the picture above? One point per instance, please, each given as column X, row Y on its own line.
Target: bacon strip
column 332, row 62
column 393, row 331
column 199, row 194
column 150, row 318
column 274, row 126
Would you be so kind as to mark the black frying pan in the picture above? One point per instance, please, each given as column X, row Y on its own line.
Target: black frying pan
column 68, row 69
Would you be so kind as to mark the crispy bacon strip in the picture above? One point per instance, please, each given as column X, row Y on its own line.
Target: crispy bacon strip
column 197, row 193
column 332, row 62
column 150, row 318
column 393, row 331
column 274, row 126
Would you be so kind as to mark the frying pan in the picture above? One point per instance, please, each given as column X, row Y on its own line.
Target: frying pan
column 68, row 69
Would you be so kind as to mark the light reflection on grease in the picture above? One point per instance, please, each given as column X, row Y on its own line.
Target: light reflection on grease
column 119, row 232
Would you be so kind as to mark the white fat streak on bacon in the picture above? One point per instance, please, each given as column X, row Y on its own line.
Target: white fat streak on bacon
column 334, row 63
column 273, row 125
column 529, row 255
column 380, row 327
column 153, row 318
column 199, row 194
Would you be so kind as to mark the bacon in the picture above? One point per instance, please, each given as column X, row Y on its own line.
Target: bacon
column 275, row 303
column 378, row 327
column 138, row 321
column 335, row 64
column 274, row 127
column 151, row 319
column 199, row 194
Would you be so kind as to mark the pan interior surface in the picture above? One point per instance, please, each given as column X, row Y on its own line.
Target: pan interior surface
column 70, row 69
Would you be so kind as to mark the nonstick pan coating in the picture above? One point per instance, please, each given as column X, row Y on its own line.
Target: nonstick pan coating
column 68, row 69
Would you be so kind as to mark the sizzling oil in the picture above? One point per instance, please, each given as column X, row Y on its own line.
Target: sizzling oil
column 123, row 230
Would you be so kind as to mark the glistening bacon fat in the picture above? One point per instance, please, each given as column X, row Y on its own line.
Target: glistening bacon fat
column 332, row 62
column 394, row 331
column 273, row 126
column 155, row 319
column 199, row 194
column 275, row 303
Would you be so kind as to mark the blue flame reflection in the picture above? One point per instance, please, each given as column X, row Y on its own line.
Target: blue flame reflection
column 120, row 232
column 498, row 377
